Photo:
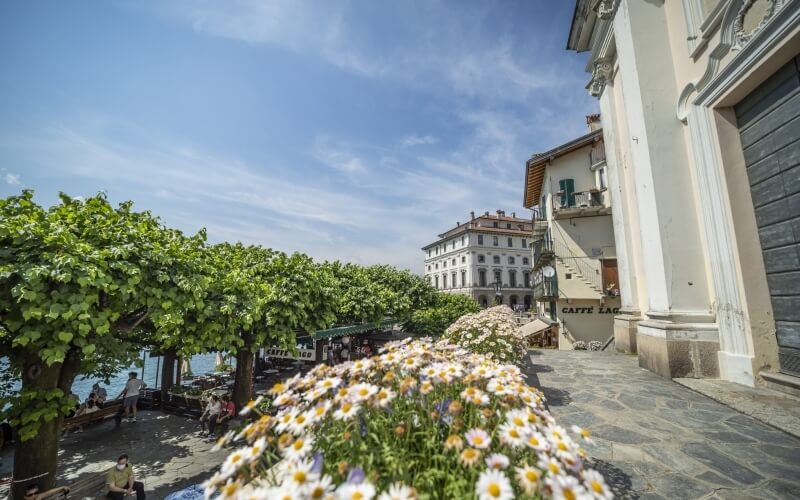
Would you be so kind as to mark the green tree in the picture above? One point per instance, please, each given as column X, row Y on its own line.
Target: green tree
column 446, row 309
column 80, row 283
column 260, row 298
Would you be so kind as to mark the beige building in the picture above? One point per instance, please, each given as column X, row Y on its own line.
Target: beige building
column 701, row 112
column 575, row 281
column 486, row 258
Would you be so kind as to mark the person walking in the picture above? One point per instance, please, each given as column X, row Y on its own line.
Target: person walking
column 121, row 481
column 131, row 396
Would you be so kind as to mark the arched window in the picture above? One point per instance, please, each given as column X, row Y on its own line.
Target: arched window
column 526, row 261
column 511, row 260
column 482, row 277
column 481, row 259
column 496, row 259
column 527, row 279
column 444, row 281
column 453, row 262
column 453, row 278
column 512, row 278
column 436, row 278
column 497, row 277
column 463, row 278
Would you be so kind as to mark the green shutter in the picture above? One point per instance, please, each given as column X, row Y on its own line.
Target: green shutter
column 567, row 188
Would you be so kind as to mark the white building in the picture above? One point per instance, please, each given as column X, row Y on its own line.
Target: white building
column 475, row 257
column 701, row 119
column 575, row 282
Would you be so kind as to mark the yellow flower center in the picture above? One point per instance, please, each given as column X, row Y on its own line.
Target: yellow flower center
column 562, row 446
column 363, row 392
column 554, row 468
column 320, row 411
column 533, row 441
column 300, row 419
column 347, row 407
column 230, row 489
column 357, row 495
column 278, row 387
column 513, row 433
column 342, row 392
column 597, row 487
column 299, row 476
column 298, row 445
column 493, row 489
column 327, row 383
column 317, row 492
column 531, row 475
column 569, row 494
column 477, row 440
column 518, row 422
column 235, row 458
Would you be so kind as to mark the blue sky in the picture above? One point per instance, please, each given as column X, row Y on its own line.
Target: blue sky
column 352, row 130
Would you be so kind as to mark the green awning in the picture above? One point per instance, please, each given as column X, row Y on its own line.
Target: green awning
column 341, row 331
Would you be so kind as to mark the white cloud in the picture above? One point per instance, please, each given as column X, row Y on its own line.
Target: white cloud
column 416, row 140
column 12, row 179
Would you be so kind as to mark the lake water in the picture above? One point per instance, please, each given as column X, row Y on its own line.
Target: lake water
column 200, row 364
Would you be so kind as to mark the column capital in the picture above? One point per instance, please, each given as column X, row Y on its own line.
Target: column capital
column 601, row 74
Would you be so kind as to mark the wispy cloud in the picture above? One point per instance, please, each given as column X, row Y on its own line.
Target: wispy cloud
column 416, row 140
column 12, row 179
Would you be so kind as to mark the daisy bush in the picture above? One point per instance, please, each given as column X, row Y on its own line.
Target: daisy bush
column 492, row 332
column 420, row 420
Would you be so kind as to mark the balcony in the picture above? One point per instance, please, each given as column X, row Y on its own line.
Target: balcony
column 542, row 251
column 591, row 202
column 546, row 290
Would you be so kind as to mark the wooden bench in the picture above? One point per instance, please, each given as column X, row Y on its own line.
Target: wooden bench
column 109, row 411
column 93, row 486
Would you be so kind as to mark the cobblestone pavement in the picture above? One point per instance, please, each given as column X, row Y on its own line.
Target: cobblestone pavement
column 165, row 451
column 656, row 439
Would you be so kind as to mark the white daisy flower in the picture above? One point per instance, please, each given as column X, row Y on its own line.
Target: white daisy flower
column 329, row 383
column 528, row 478
column 596, row 485
column 497, row 461
column 298, row 474
column 348, row 491
column 299, row 448
column 398, row 491
column 493, row 485
column 346, row 411
column 566, row 487
column 321, row 488
column 252, row 404
column 478, row 438
column 362, row 392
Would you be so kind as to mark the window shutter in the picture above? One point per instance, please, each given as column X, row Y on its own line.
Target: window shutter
column 570, row 191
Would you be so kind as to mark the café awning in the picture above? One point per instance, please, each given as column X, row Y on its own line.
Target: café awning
column 341, row 331
column 532, row 328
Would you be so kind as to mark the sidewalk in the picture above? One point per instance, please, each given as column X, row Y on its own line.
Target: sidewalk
column 164, row 449
column 657, row 439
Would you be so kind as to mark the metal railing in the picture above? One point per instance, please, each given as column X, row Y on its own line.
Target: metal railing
column 580, row 264
column 548, row 287
column 580, row 199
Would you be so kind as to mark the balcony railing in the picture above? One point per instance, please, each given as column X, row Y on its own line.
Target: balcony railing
column 580, row 199
column 542, row 248
column 546, row 289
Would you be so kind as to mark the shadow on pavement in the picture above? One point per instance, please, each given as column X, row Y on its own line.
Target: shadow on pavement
column 617, row 480
column 554, row 397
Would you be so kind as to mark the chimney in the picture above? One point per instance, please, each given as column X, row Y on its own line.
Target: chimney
column 514, row 214
column 499, row 213
column 593, row 121
column 487, row 213
column 458, row 224
column 472, row 215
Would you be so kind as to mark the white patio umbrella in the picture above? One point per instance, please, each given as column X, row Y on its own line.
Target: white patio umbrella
column 186, row 367
column 219, row 360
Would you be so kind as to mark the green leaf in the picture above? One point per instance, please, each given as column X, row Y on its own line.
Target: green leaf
column 64, row 337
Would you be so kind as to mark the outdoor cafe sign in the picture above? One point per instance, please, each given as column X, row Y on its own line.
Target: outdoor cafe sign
column 301, row 354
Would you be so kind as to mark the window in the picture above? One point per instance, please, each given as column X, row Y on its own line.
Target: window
column 494, row 224
column 429, row 252
column 429, row 267
column 567, row 192
column 436, row 266
column 511, row 260
column 567, row 276
column 497, row 277
column 480, row 239
column 512, row 278
column 444, row 264
column 444, row 281
column 482, row 277
column 602, row 182
column 462, row 241
column 453, row 282
column 495, row 241
column 454, row 244
column 453, row 263
column 481, row 259
column 496, row 259
column 463, row 259
column 527, row 279
column 510, row 242
column 437, row 281
column 428, row 279
column 525, row 261
column 437, row 249
column 463, row 278
column 524, row 243
column 508, row 226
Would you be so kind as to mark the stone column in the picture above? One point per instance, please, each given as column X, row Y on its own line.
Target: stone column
column 626, row 225
column 679, row 337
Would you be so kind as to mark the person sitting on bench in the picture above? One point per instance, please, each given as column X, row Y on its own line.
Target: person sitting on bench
column 121, row 481
column 32, row 492
column 228, row 411
column 213, row 409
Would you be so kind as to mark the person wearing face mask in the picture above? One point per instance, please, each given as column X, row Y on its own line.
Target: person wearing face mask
column 121, row 481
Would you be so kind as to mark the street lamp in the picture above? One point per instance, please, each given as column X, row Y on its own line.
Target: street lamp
column 498, row 292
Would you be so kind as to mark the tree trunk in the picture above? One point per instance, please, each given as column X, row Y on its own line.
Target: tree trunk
column 243, row 385
column 35, row 460
column 167, row 373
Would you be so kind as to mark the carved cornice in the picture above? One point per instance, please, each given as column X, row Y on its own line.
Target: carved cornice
column 740, row 36
column 605, row 9
column 601, row 74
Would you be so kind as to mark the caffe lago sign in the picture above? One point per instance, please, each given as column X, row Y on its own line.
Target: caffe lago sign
column 589, row 310
column 302, row 354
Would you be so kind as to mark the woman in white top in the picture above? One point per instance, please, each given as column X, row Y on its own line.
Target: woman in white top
column 213, row 409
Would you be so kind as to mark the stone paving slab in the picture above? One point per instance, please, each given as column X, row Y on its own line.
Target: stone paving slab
column 165, row 451
column 656, row 439
column 774, row 408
